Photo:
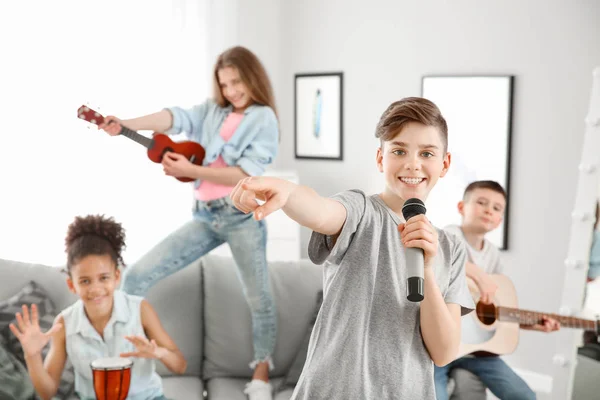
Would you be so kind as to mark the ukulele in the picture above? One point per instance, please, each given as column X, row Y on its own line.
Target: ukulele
column 157, row 146
column 494, row 328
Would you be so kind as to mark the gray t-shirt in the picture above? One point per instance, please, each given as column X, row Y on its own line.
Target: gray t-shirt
column 366, row 342
column 488, row 258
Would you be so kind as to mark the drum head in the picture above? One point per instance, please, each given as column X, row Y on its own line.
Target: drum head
column 111, row 363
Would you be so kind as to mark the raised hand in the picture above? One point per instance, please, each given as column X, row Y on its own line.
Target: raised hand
column 274, row 192
column 32, row 339
column 111, row 125
column 145, row 348
column 418, row 232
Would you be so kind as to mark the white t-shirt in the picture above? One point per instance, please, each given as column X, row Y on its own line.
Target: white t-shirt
column 488, row 258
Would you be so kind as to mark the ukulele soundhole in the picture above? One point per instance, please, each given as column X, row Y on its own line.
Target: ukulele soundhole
column 486, row 313
column 166, row 150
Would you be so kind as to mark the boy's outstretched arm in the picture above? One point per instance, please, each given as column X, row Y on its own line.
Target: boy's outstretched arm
column 300, row 203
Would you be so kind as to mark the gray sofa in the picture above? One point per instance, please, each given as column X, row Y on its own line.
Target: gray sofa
column 203, row 309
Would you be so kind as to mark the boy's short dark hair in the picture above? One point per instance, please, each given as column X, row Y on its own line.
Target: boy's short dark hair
column 411, row 109
column 491, row 185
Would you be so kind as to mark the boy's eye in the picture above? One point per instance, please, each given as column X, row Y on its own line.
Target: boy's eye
column 427, row 154
column 399, row 152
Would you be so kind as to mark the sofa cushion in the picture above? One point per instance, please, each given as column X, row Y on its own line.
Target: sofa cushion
column 183, row 388
column 178, row 301
column 231, row 388
column 14, row 378
column 228, row 347
column 284, row 394
column 14, row 275
column 29, row 294
column 293, row 375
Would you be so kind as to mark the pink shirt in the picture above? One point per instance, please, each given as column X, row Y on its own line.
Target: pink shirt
column 210, row 190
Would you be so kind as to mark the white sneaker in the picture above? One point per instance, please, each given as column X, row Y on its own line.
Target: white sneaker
column 258, row 390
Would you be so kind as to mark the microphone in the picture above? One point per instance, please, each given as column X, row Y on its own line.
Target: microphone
column 415, row 262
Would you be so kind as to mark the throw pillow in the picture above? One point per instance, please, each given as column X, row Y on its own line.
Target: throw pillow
column 32, row 293
column 14, row 378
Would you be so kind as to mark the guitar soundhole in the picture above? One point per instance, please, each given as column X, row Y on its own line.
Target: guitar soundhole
column 486, row 313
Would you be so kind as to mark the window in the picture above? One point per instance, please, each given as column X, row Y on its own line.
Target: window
column 125, row 58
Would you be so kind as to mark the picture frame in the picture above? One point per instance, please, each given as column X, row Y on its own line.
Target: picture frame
column 478, row 110
column 318, row 116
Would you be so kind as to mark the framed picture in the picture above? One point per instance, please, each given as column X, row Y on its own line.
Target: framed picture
column 318, row 116
column 478, row 111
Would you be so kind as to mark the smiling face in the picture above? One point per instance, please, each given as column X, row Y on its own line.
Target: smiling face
column 412, row 162
column 94, row 279
column 482, row 210
column 234, row 90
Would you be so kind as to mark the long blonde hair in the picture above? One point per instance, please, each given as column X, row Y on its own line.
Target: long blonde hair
column 252, row 73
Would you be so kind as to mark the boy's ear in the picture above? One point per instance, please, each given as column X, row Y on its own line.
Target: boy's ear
column 446, row 163
column 379, row 159
column 118, row 276
column 461, row 207
column 70, row 285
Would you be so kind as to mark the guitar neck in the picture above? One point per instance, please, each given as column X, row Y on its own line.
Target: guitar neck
column 531, row 318
column 136, row 137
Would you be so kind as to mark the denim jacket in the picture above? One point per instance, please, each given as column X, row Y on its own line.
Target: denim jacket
column 252, row 147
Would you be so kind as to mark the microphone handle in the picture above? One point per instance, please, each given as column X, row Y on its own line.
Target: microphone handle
column 415, row 265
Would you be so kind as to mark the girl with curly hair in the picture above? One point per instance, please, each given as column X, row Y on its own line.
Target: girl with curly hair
column 104, row 322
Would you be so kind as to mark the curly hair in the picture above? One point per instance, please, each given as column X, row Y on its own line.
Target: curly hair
column 94, row 235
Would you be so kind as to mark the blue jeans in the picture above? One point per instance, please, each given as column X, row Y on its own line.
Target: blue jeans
column 492, row 371
column 216, row 222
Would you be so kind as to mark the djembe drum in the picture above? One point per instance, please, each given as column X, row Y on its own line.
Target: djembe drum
column 112, row 377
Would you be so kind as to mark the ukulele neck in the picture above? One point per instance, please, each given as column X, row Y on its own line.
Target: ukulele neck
column 136, row 137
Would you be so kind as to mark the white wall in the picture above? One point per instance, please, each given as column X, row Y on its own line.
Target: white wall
column 53, row 167
column 385, row 47
column 256, row 24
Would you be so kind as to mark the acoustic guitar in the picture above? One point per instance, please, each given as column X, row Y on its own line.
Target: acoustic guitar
column 157, row 146
column 494, row 328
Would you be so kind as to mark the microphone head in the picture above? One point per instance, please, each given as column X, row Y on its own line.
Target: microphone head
column 413, row 207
